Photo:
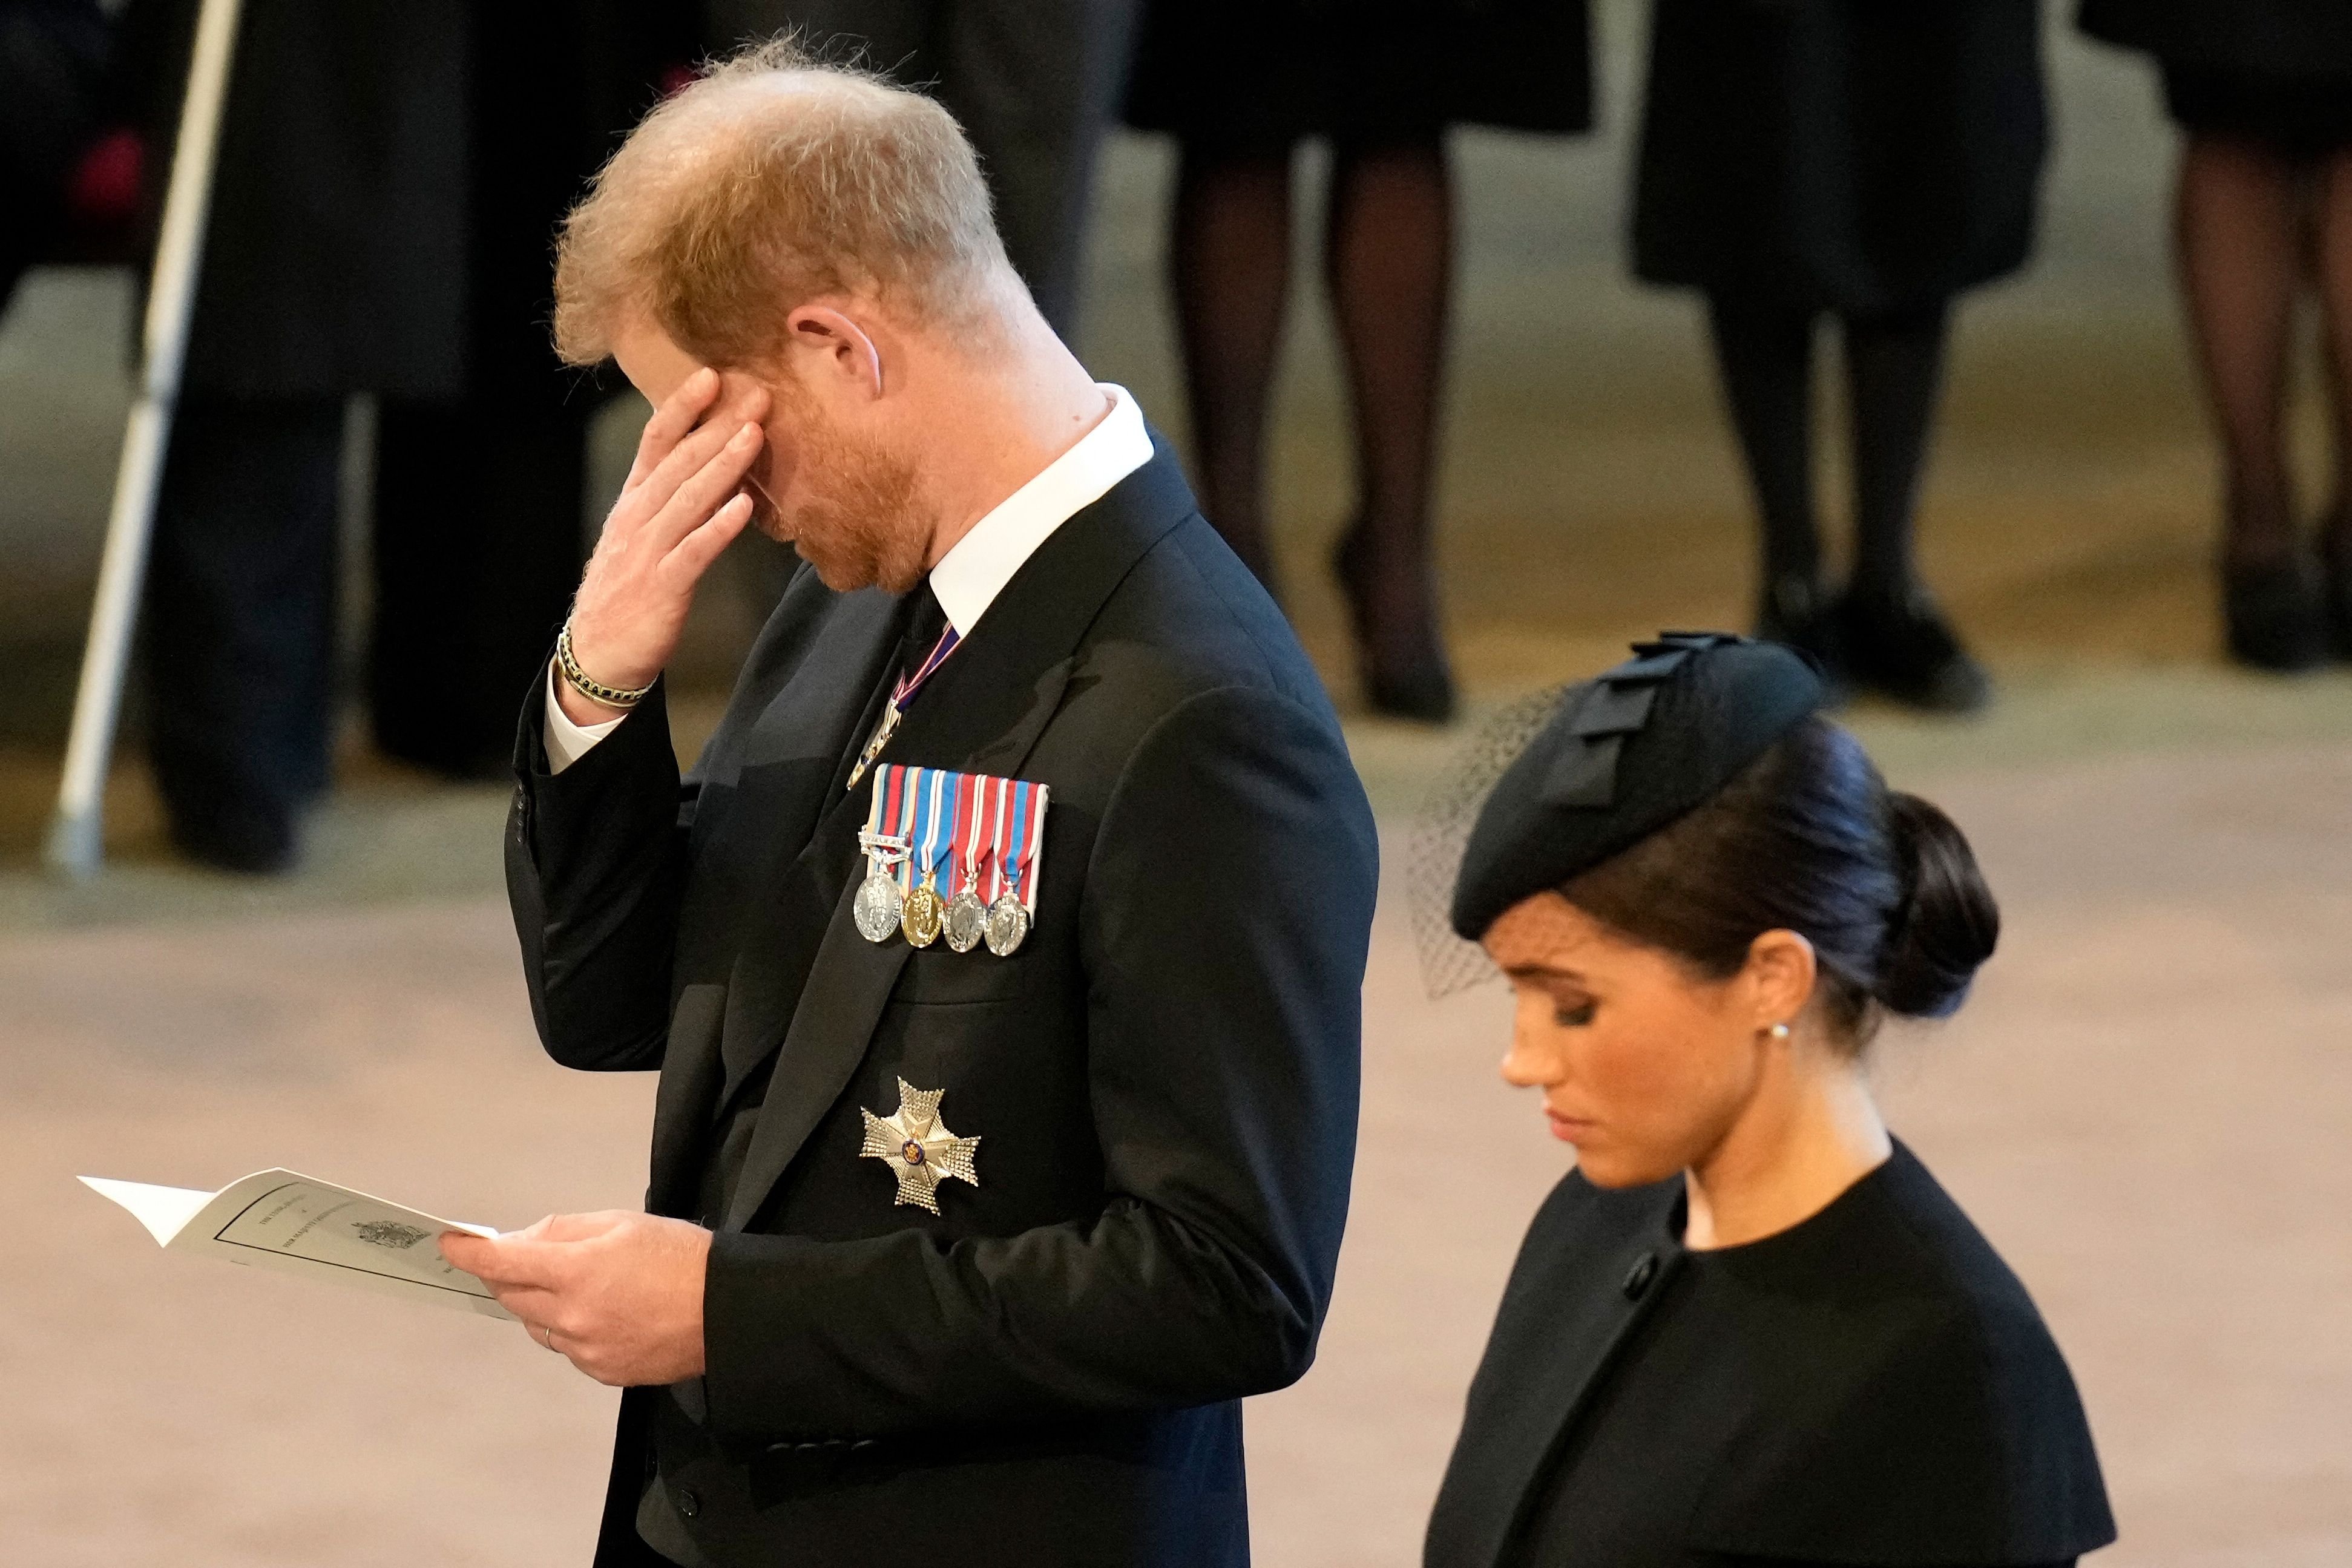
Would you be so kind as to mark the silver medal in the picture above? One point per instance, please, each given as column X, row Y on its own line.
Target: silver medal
column 966, row 921
column 877, row 907
column 1008, row 926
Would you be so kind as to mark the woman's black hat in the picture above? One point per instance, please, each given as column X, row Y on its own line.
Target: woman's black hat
column 1622, row 756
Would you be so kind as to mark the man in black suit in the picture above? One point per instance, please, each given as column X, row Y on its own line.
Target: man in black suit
column 1022, row 1340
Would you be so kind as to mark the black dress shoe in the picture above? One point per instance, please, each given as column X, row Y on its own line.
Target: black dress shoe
column 2276, row 613
column 1412, row 682
column 1899, row 644
column 250, row 839
column 1422, row 690
column 1797, row 614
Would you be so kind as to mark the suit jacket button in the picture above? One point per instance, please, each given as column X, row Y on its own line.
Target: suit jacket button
column 1638, row 1278
column 688, row 1503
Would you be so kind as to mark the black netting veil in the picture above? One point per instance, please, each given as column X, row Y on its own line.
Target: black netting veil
column 1440, row 831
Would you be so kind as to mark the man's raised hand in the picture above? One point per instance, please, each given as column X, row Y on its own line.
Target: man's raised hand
column 683, row 504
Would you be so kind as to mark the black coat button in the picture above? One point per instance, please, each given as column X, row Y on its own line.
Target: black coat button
column 688, row 1503
column 1638, row 1278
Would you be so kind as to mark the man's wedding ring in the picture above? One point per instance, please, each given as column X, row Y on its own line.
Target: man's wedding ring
column 547, row 1336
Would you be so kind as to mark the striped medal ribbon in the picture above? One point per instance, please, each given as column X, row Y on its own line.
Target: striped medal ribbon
column 900, row 695
column 879, row 903
column 1018, row 857
column 932, row 835
column 967, row 916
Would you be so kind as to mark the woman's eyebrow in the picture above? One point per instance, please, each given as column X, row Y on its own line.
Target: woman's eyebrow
column 1543, row 972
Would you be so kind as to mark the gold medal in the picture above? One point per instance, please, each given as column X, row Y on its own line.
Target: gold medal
column 932, row 836
column 923, row 917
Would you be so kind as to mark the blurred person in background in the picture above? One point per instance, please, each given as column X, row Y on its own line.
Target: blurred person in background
column 53, row 60
column 1239, row 85
column 1034, row 83
column 1868, row 162
column 1750, row 1326
column 2262, row 90
column 385, row 184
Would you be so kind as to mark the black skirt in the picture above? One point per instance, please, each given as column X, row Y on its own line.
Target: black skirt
column 1258, row 75
column 2302, row 117
column 2260, row 38
column 1850, row 155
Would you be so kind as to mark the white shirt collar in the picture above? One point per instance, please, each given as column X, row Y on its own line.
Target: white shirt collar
column 975, row 570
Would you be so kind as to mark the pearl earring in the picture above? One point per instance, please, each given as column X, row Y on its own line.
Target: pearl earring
column 1779, row 1031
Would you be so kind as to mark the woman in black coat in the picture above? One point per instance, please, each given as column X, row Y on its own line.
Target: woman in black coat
column 2262, row 90
column 1750, row 1326
column 1240, row 83
column 1867, row 161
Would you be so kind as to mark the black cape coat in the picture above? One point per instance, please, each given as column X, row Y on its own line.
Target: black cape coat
column 2291, row 39
column 1872, row 1386
column 1164, row 1077
column 1260, row 74
column 1852, row 155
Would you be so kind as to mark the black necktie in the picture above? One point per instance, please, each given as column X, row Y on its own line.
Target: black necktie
column 924, row 626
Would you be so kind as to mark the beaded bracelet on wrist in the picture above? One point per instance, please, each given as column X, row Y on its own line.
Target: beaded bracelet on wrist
column 593, row 690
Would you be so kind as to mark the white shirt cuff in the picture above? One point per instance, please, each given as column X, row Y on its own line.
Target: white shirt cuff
column 568, row 742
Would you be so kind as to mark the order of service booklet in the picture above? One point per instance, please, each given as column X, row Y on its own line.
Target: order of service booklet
column 301, row 1225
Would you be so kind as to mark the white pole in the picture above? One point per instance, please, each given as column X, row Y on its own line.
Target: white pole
column 77, row 832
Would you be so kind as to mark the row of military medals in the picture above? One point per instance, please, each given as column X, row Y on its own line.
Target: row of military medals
column 952, row 855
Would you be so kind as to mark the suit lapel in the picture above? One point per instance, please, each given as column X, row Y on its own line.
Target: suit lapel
column 984, row 711
column 848, row 986
column 766, row 782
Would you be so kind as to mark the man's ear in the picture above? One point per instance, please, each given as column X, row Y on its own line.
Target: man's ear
column 1781, row 973
column 831, row 344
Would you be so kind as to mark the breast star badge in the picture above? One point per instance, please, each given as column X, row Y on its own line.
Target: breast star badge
column 917, row 1146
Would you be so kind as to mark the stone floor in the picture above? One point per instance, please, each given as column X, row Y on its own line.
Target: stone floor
column 2145, row 1107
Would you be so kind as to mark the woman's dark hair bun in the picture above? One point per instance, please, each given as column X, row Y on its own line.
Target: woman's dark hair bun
column 1947, row 922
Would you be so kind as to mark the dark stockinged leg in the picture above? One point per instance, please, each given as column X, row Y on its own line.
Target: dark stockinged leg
column 2241, row 256
column 1896, row 638
column 1388, row 257
column 1895, row 374
column 1764, row 354
column 1229, row 258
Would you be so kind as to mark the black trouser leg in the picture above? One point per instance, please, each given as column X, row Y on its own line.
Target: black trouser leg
column 478, row 543
column 238, row 646
column 1894, row 373
column 1764, row 352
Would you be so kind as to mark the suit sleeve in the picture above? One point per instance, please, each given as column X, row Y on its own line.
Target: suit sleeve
column 1226, row 919
column 595, row 859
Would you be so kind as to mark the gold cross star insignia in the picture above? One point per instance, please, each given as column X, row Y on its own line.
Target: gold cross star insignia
column 917, row 1146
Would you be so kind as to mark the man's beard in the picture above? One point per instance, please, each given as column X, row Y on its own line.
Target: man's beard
column 856, row 519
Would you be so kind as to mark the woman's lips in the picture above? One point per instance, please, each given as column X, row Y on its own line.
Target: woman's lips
column 1569, row 1129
